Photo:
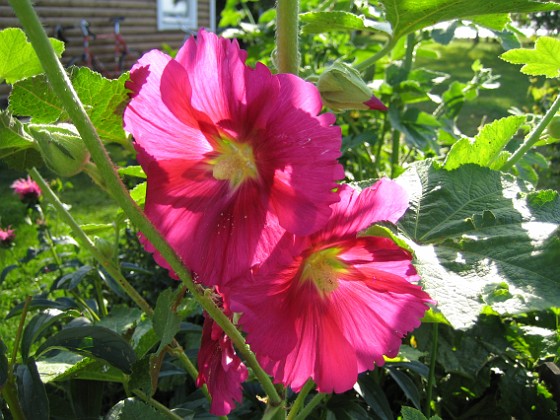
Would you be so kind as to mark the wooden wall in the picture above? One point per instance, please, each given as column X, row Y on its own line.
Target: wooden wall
column 139, row 27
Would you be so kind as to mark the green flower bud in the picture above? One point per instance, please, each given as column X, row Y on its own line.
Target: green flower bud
column 342, row 87
column 61, row 147
column 554, row 128
column 105, row 247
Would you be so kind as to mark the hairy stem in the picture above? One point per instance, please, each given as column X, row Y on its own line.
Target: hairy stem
column 432, row 375
column 287, row 41
column 298, row 403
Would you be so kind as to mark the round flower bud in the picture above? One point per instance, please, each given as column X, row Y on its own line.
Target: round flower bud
column 342, row 87
column 554, row 128
column 61, row 147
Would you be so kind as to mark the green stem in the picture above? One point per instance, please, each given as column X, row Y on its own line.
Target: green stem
column 19, row 332
column 409, row 54
column 10, row 395
column 395, row 152
column 364, row 65
column 61, row 85
column 287, row 41
column 315, row 401
column 298, row 403
column 157, row 405
column 533, row 136
column 432, row 375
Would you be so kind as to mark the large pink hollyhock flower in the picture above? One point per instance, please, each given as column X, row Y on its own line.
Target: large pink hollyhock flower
column 330, row 305
column 220, row 368
column 27, row 190
column 230, row 154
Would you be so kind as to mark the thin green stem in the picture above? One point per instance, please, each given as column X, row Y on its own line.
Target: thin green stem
column 61, row 85
column 396, row 140
column 533, row 136
column 157, row 405
column 19, row 332
column 287, row 37
column 364, row 65
column 432, row 375
column 298, row 403
column 315, row 401
column 409, row 54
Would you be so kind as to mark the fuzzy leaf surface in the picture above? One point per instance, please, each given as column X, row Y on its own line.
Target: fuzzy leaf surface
column 407, row 16
column 17, row 57
column 485, row 149
column 482, row 238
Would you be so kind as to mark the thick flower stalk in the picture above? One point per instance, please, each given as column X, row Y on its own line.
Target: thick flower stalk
column 330, row 305
column 27, row 190
column 233, row 155
column 219, row 367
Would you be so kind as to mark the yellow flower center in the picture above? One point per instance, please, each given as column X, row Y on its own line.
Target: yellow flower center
column 323, row 268
column 235, row 162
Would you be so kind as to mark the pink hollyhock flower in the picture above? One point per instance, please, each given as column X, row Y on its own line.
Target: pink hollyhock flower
column 7, row 237
column 27, row 190
column 231, row 153
column 220, row 368
column 330, row 305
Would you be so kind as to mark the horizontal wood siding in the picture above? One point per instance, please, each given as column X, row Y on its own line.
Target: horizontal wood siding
column 139, row 28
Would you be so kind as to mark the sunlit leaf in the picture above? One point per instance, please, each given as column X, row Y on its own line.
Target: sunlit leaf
column 319, row 22
column 407, row 16
column 17, row 57
column 478, row 233
column 133, row 409
column 93, row 341
column 543, row 60
column 485, row 149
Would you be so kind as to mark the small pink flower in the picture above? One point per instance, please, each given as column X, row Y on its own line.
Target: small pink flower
column 7, row 237
column 233, row 155
column 330, row 305
column 220, row 368
column 27, row 190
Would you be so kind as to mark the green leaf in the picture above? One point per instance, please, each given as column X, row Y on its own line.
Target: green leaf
column 477, row 230
column 135, row 171
column 543, row 60
column 138, row 194
column 166, row 322
column 485, row 148
column 12, row 134
column 33, row 97
column 39, row 325
column 407, row 385
column 496, row 22
column 17, row 57
column 374, row 396
column 409, row 413
column 67, row 365
column 121, row 319
column 407, row 16
column 319, row 22
column 93, row 341
column 132, row 408
column 31, row 391
column 103, row 99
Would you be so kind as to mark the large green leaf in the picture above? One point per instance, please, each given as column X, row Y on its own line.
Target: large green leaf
column 482, row 238
column 486, row 148
column 93, row 341
column 31, row 391
column 12, row 133
column 132, row 408
column 17, row 57
column 407, row 16
column 103, row 99
column 543, row 60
